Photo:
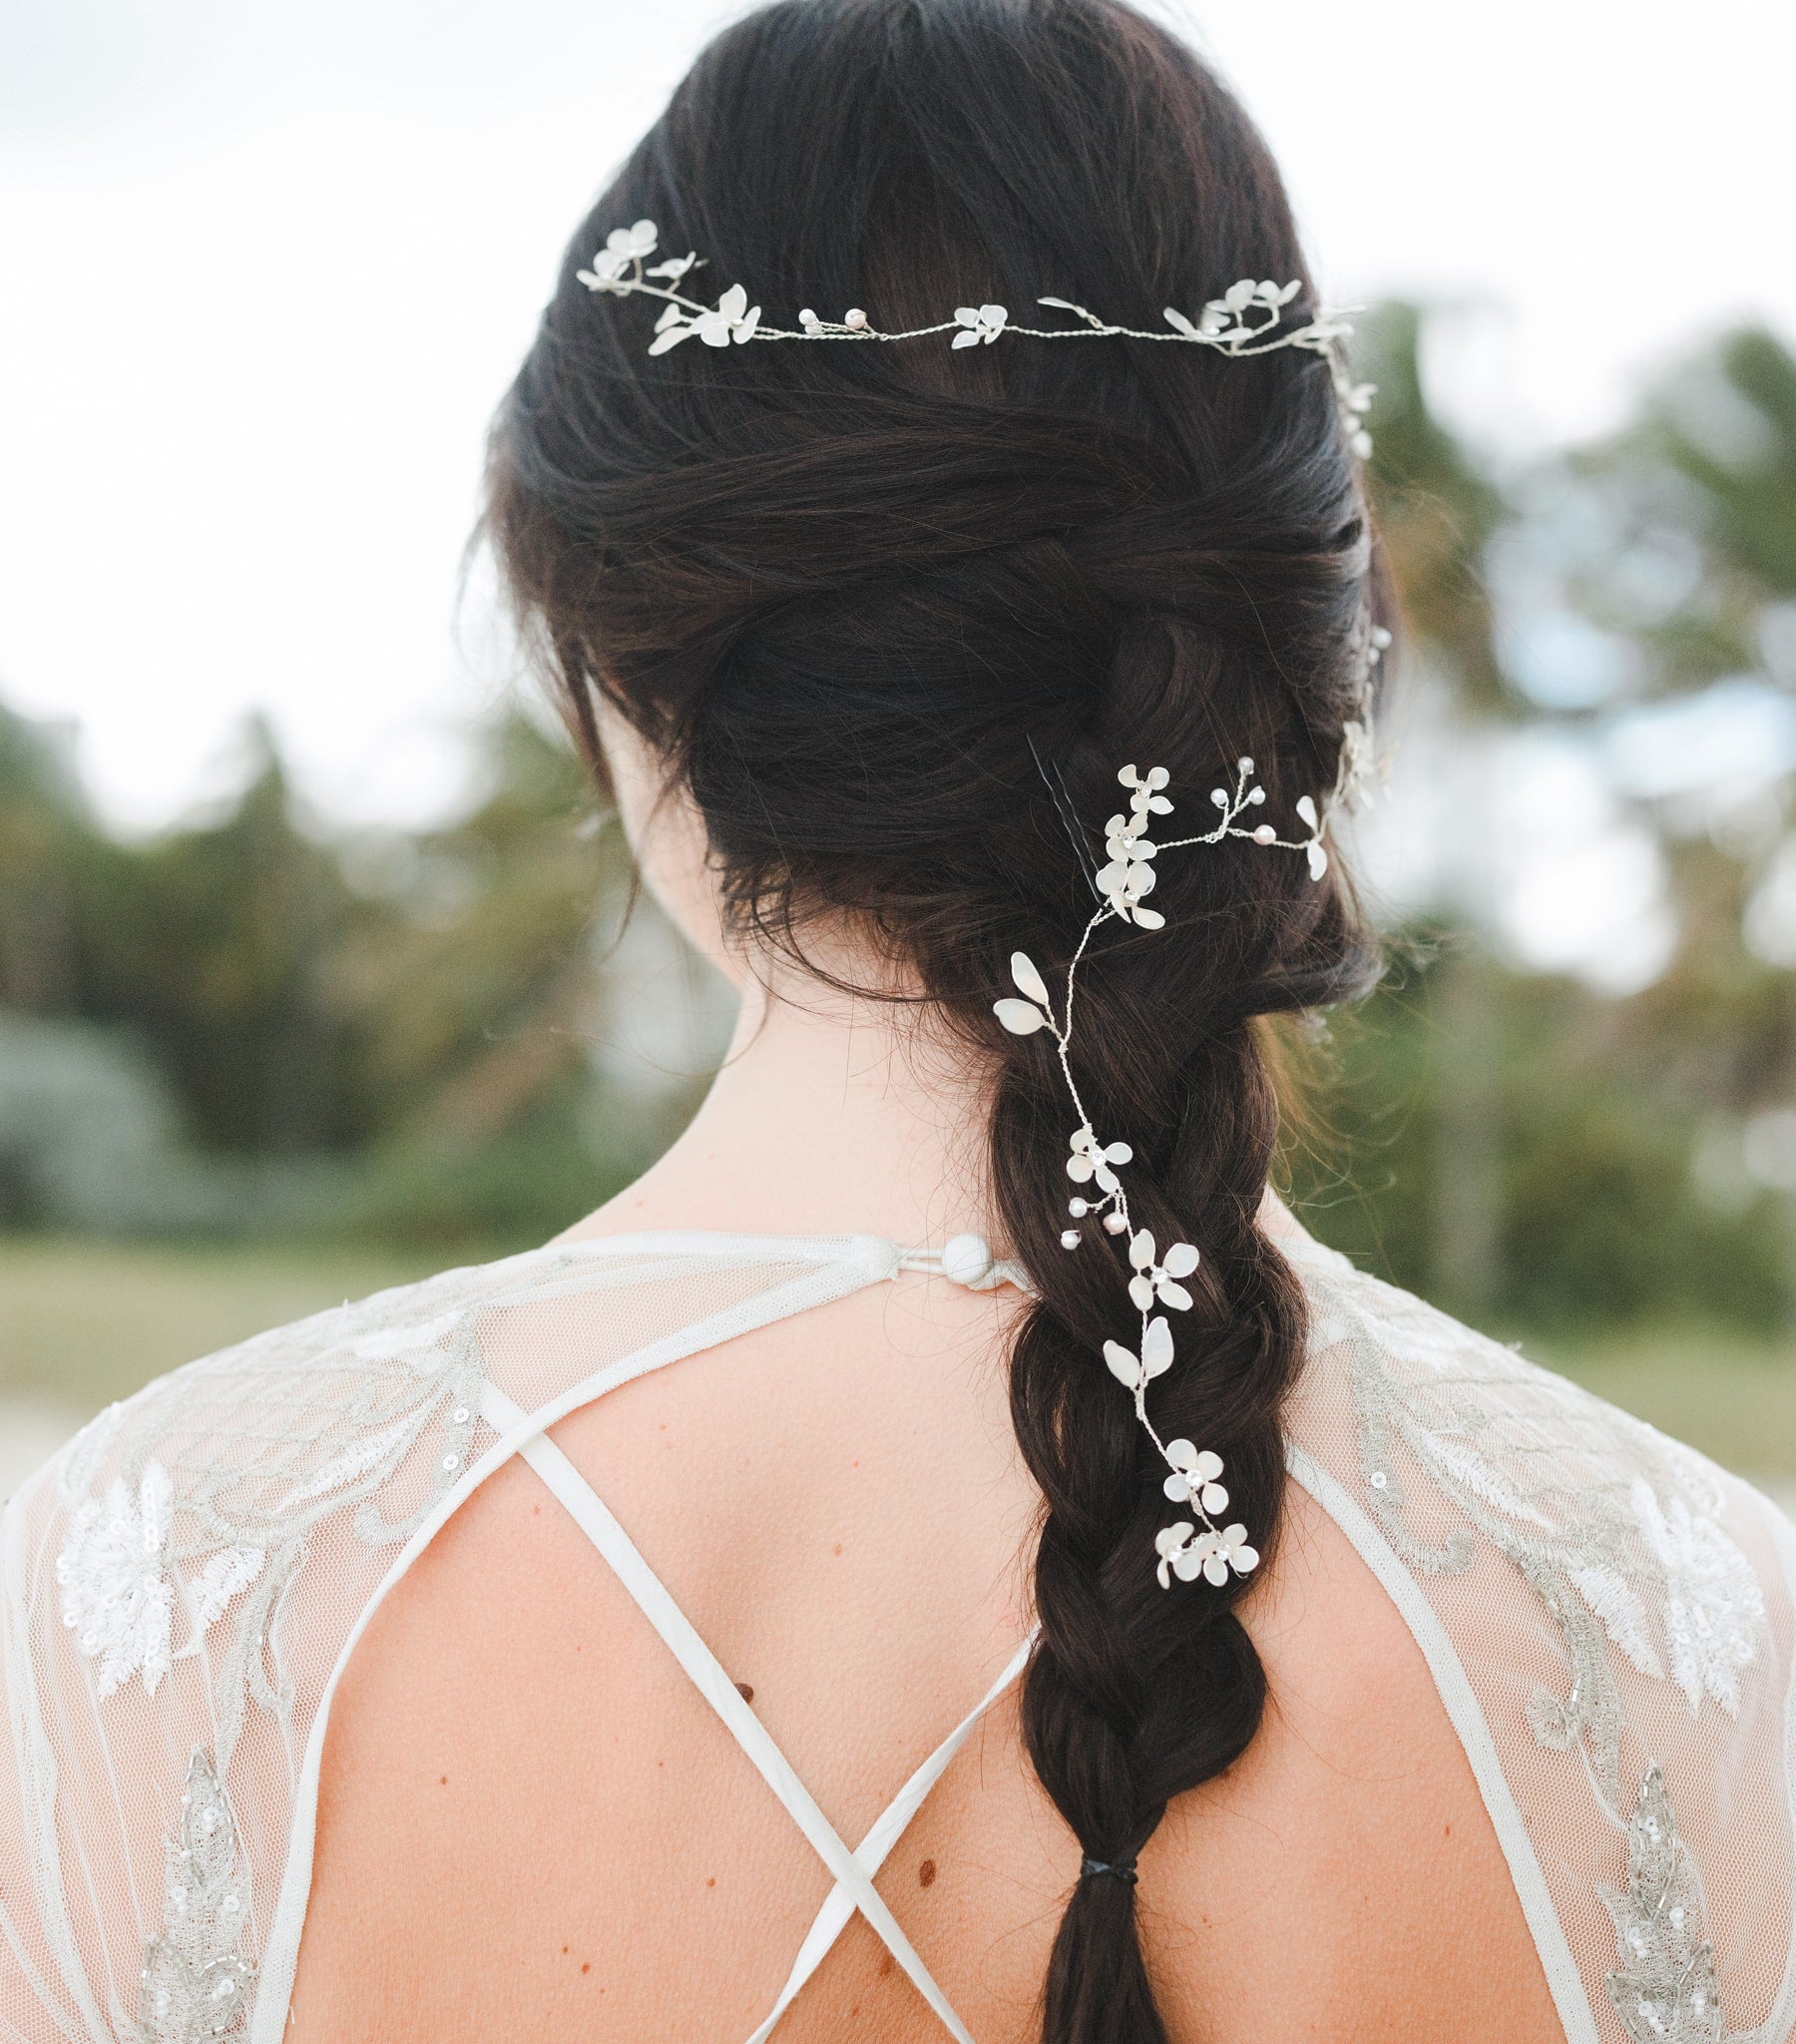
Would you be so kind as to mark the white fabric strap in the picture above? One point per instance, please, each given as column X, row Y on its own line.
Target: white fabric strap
column 888, row 1828
column 713, row 1683
column 848, row 1262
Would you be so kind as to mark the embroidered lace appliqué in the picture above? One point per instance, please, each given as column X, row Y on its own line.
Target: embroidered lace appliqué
column 1617, row 1531
column 1665, row 1990
column 118, row 1598
column 195, row 1983
column 209, row 1518
column 1612, row 1551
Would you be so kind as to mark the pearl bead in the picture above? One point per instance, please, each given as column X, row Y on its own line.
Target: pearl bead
column 1070, row 1239
column 966, row 1259
column 1113, row 1224
column 1244, row 763
column 1079, row 1209
column 854, row 318
column 1265, row 835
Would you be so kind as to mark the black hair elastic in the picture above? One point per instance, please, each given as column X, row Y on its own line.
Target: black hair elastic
column 1120, row 1869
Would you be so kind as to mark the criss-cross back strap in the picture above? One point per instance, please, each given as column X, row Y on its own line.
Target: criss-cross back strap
column 887, row 1828
column 854, row 1877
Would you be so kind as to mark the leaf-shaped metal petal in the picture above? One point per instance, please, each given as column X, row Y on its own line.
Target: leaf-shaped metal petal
column 1177, row 318
column 1021, row 1018
column 1180, row 1259
column 1140, row 1248
column 1157, row 1347
column 1027, row 979
column 1122, row 1364
column 1306, row 808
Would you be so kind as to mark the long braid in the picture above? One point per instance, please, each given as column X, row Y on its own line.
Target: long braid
column 871, row 609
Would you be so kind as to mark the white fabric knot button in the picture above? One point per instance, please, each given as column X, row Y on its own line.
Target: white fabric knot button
column 967, row 1259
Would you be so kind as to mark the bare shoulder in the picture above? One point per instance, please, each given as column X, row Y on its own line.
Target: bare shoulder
column 1343, row 1880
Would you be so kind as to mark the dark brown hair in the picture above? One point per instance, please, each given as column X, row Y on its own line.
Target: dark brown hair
column 853, row 592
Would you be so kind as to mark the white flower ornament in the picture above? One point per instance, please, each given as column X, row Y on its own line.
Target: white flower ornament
column 978, row 323
column 1188, row 1549
column 1249, row 319
column 1193, row 1478
column 731, row 319
column 624, row 249
column 1155, row 1279
column 1091, row 1160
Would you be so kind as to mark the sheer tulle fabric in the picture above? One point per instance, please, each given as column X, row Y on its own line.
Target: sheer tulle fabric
column 1608, row 1618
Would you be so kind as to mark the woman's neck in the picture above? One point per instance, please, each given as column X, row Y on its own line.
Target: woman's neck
column 831, row 1116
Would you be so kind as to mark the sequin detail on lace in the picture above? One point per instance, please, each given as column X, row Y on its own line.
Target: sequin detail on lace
column 1665, row 1990
column 1616, row 1530
column 1610, row 1550
column 208, row 1518
column 195, row 1985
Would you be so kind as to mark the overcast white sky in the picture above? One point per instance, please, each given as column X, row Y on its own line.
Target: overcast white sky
column 266, row 269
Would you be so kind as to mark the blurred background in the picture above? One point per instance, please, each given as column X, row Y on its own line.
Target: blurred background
column 316, row 965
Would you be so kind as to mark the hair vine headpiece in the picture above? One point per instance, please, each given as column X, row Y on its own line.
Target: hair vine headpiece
column 1245, row 320
column 1197, row 1546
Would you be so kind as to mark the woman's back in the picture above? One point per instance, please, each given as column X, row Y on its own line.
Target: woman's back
column 851, row 1544
column 530, row 1820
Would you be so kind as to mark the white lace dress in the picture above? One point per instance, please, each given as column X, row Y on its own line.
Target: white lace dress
column 1608, row 1618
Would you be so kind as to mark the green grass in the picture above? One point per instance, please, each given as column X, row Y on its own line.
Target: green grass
column 1729, row 1393
column 82, row 1322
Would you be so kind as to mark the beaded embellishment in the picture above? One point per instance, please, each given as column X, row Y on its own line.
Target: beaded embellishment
column 195, row 1983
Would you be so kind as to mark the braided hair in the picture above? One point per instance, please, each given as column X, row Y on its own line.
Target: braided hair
column 858, row 595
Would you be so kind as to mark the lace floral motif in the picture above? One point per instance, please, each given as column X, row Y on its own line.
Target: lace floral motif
column 1665, row 1990
column 208, row 1517
column 117, row 1599
column 1613, row 1553
column 195, row 1983
column 1617, row 1531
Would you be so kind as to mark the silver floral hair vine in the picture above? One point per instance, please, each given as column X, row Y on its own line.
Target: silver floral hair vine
column 1198, row 1545
column 1247, row 320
